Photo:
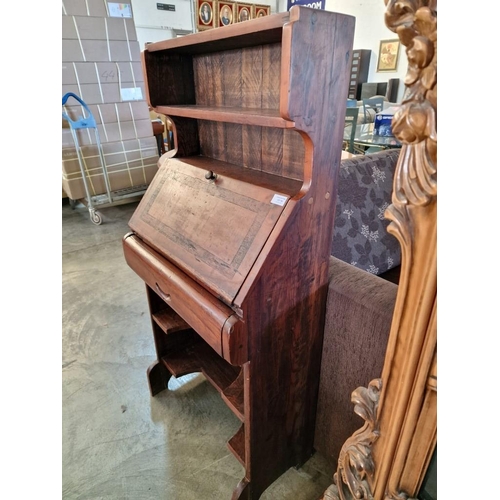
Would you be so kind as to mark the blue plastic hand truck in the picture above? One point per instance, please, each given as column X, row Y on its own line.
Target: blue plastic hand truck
column 110, row 198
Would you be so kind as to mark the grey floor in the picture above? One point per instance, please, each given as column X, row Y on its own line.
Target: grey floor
column 118, row 442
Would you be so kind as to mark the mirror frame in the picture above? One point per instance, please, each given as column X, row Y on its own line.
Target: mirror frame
column 387, row 458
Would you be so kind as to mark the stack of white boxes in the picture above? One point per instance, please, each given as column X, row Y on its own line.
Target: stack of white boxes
column 101, row 65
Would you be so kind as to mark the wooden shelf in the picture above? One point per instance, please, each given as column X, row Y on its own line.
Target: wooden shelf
column 283, row 185
column 195, row 355
column 169, row 321
column 233, row 396
column 244, row 116
column 237, row 445
column 266, row 30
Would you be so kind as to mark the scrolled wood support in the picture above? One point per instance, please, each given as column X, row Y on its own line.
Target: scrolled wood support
column 374, row 459
column 355, row 461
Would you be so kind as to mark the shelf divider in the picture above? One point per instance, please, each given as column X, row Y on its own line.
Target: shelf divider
column 233, row 396
column 237, row 445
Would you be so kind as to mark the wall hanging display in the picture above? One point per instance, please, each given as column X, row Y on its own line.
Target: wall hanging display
column 226, row 13
column 219, row 13
column 244, row 11
column 206, row 18
column 388, row 55
column 261, row 10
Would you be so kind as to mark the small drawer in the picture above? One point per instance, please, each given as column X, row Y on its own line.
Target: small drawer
column 201, row 310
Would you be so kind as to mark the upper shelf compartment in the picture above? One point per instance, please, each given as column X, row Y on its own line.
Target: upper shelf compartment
column 230, row 74
column 236, row 36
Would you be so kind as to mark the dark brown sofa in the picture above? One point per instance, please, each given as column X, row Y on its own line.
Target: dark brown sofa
column 361, row 295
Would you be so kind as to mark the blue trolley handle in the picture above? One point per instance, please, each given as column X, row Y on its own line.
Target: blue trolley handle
column 88, row 122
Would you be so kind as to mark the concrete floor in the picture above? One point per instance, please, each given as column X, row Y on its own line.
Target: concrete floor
column 118, row 442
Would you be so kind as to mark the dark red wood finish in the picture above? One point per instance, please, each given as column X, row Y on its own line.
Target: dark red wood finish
column 262, row 102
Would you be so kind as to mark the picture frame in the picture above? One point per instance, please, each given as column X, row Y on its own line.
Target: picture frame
column 206, row 14
column 226, row 13
column 388, row 55
column 261, row 11
column 244, row 12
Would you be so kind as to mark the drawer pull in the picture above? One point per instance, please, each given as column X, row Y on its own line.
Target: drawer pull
column 210, row 176
column 162, row 294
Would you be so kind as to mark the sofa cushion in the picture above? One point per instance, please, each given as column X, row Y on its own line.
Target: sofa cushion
column 364, row 192
column 358, row 319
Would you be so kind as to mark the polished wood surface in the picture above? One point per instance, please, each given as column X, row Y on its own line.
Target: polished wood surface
column 388, row 458
column 246, row 116
column 213, row 228
column 200, row 309
column 243, row 209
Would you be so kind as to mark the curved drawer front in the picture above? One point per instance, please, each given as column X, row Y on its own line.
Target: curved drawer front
column 201, row 310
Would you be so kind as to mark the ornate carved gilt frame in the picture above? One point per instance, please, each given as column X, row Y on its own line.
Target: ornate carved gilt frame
column 388, row 457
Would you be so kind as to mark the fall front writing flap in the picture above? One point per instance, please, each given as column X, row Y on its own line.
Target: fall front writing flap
column 211, row 226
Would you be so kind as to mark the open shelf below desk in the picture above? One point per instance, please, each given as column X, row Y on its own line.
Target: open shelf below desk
column 243, row 116
column 189, row 353
column 193, row 354
column 169, row 321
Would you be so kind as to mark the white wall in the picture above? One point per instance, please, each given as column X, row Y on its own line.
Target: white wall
column 153, row 25
column 370, row 29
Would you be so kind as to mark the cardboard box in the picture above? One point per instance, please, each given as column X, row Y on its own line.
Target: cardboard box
column 101, row 65
column 129, row 164
column 96, row 8
column 77, row 27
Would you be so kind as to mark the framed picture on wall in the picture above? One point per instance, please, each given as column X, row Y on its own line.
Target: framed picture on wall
column 388, row 55
column 261, row 10
column 226, row 13
column 206, row 18
column 243, row 12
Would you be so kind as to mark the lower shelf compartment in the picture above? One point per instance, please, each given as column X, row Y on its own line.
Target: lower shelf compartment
column 237, row 445
column 169, row 321
column 191, row 353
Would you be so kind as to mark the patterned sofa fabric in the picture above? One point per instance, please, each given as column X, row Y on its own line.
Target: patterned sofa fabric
column 360, row 234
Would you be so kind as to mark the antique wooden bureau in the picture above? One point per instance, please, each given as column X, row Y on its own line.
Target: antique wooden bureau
column 233, row 235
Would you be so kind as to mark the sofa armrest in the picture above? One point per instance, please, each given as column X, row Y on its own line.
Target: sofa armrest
column 358, row 319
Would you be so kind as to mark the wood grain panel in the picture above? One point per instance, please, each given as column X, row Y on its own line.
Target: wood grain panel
column 170, row 78
column 233, row 96
column 217, row 71
column 251, row 76
column 272, row 139
column 205, row 96
column 231, row 82
column 293, row 155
